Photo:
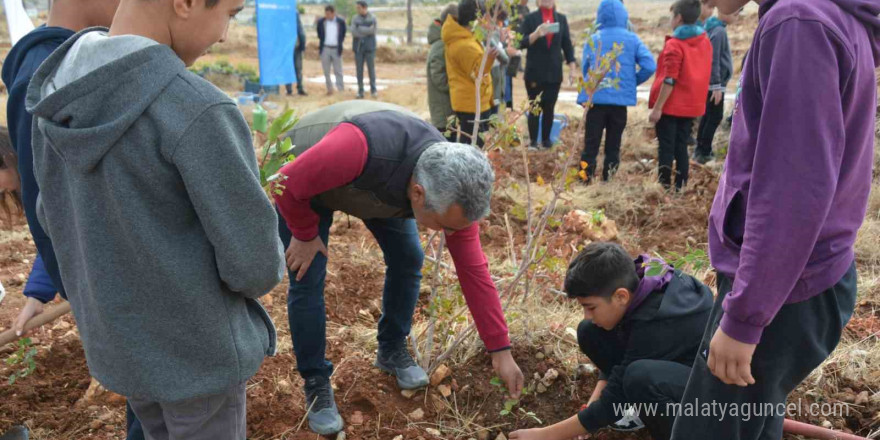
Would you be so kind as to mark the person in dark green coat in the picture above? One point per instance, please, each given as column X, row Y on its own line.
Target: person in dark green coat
column 438, row 83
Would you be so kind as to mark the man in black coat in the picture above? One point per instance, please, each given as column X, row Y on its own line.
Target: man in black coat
column 546, row 36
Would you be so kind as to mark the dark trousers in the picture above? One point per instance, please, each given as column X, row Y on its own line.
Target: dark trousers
column 798, row 340
column 672, row 134
column 466, row 125
column 399, row 240
column 133, row 428
column 548, row 93
column 645, row 381
column 369, row 57
column 298, row 67
column 708, row 125
column 610, row 119
column 508, row 91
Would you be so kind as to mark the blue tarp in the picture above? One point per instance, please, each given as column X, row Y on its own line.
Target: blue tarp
column 276, row 38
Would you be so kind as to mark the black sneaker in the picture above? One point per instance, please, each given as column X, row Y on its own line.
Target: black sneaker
column 398, row 362
column 324, row 418
column 302, row 93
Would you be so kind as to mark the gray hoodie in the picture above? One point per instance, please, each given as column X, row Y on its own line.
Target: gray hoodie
column 150, row 193
column 363, row 29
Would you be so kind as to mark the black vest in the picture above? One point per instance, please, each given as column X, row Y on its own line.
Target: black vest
column 395, row 138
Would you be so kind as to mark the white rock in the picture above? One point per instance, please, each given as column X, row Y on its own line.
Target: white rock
column 417, row 415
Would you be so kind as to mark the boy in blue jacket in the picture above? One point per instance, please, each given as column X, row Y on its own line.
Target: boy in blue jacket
column 608, row 113
column 66, row 17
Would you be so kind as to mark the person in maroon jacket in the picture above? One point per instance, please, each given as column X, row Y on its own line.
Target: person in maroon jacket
column 384, row 165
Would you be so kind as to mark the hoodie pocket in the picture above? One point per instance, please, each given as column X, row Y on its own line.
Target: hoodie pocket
column 272, row 349
column 731, row 226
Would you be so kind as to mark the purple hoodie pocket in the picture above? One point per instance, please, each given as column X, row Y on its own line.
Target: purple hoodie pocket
column 731, row 226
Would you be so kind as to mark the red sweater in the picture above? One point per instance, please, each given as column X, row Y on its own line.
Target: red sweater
column 337, row 160
column 689, row 63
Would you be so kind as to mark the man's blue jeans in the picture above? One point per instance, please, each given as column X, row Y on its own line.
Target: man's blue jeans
column 399, row 240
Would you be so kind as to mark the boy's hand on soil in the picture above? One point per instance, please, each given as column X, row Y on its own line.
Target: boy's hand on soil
column 656, row 114
column 32, row 307
column 300, row 255
column 731, row 360
column 527, row 434
column 509, row 372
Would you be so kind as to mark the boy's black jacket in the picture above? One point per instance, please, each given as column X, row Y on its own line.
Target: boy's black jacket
column 668, row 326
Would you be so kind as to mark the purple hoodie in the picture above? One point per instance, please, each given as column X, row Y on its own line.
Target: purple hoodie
column 795, row 185
column 648, row 284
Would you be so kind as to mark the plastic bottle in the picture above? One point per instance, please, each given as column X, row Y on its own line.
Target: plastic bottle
column 261, row 119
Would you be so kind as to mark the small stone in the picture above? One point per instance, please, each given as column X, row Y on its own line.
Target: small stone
column 109, row 428
column 35, row 341
column 408, row 393
column 399, row 437
column 285, row 387
column 584, row 370
column 417, row 415
column 541, row 388
column 501, row 437
column 96, row 424
column 550, row 377
column 539, row 355
column 93, row 407
column 26, row 261
column 862, row 398
column 442, row 372
column 341, row 435
column 483, row 435
column 433, row 432
column 357, row 418
column 445, row 390
column 21, row 277
column 827, row 425
column 548, row 349
column 537, row 376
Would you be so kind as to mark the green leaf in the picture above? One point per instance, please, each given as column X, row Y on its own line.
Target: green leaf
column 496, row 381
column 510, row 403
column 655, row 271
column 504, row 412
column 279, row 124
column 285, row 146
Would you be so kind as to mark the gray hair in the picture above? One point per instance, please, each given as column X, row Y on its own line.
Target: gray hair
column 455, row 173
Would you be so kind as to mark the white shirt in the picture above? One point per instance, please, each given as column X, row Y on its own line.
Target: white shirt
column 331, row 33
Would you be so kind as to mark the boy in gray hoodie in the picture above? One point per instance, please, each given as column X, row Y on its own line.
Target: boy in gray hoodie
column 164, row 237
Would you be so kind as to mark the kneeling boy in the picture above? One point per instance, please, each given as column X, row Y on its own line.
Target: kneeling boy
column 642, row 332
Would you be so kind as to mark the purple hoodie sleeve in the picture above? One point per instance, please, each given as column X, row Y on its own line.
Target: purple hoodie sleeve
column 795, row 171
